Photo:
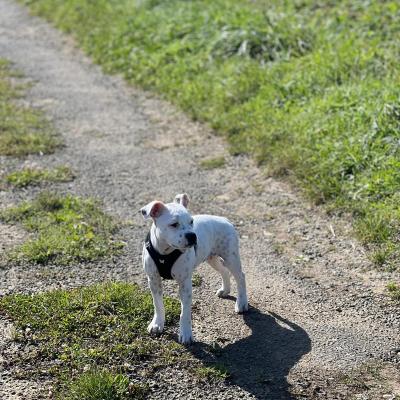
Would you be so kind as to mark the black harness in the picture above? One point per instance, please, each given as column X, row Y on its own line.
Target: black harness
column 164, row 262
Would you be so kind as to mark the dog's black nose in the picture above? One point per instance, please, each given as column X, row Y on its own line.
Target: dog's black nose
column 191, row 238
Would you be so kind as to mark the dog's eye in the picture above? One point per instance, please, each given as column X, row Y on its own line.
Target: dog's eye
column 175, row 225
column 191, row 222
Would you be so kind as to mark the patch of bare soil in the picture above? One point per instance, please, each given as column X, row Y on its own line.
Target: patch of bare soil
column 10, row 235
column 319, row 320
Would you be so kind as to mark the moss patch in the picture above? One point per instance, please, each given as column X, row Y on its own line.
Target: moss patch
column 66, row 229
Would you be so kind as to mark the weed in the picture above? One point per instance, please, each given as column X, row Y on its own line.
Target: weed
column 197, row 280
column 23, row 130
column 213, row 372
column 35, row 176
column 211, row 163
column 278, row 248
column 258, row 187
column 104, row 385
column 394, row 290
column 215, row 349
column 84, row 337
column 374, row 379
column 67, row 229
column 310, row 91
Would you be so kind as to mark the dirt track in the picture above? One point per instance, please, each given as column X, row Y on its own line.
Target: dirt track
column 319, row 308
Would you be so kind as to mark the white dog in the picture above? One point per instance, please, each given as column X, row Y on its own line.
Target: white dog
column 176, row 244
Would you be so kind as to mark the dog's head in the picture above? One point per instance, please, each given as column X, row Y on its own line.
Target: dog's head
column 173, row 222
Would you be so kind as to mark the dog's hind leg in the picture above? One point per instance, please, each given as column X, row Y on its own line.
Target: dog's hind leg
column 217, row 263
column 232, row 263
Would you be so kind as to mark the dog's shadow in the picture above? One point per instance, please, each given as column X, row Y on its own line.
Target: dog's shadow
column 260, row 362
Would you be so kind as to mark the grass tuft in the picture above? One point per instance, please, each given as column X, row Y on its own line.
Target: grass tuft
column 66, row 229
column 214, row 372
column 104, row 385
column 36, row 176
column 394, row 290
column 197, row 280
column 211, row 163
column 23, row 130
column 90, row 338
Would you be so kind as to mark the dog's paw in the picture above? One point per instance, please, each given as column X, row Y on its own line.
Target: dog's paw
column 185, row 336
column 222, row 292
column 241, row 306
column 155, row 327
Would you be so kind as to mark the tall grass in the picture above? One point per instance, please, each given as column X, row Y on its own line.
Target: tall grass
column 311, row 89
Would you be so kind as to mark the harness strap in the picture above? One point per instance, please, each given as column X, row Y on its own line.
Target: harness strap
column 164, row 262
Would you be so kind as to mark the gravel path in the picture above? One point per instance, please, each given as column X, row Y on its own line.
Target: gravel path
column 319, row 309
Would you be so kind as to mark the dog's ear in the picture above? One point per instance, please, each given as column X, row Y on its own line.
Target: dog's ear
column 153, row 209
column 182, row 199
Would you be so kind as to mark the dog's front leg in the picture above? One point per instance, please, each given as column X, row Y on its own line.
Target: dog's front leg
column 185, row 322
column 157, row 324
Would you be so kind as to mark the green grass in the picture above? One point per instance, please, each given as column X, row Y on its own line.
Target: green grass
column 214, row 372
column 211, row 163
column 103, row 385
column 66, row 229
column 23, row 130
column 311, row 89
column 197, row 280
column 91, row 339
column 35, row 176
column 394, row 290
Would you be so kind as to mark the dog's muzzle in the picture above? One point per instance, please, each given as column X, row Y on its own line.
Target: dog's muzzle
column 191, row 239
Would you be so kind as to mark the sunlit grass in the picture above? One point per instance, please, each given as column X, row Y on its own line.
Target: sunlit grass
column 310, row 89
column 86, row 337
column 35, row 176
column 23, row 130
column 65, row 229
